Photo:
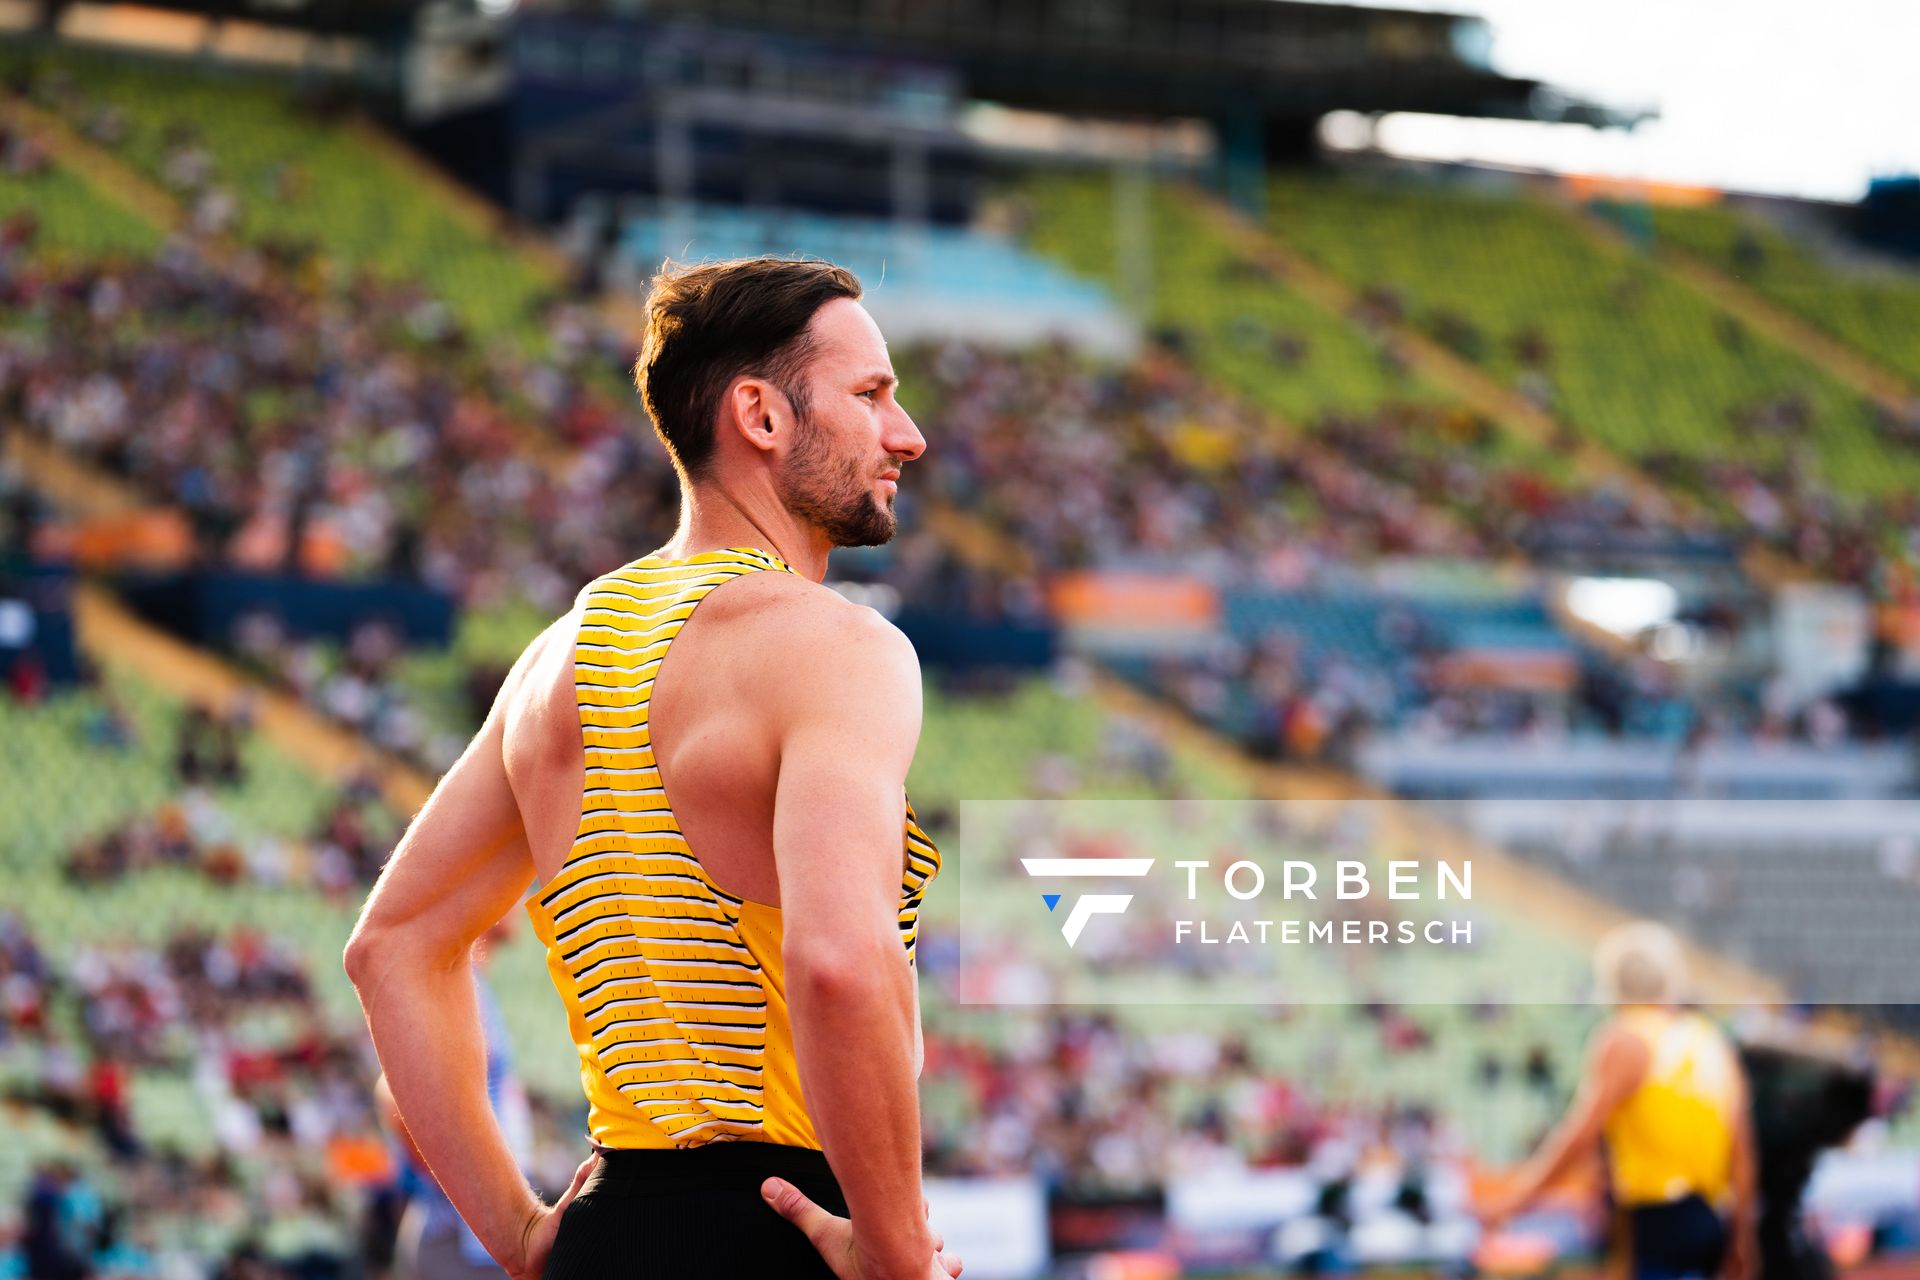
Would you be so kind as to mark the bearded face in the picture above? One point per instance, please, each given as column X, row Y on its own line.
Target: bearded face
column 836, row 487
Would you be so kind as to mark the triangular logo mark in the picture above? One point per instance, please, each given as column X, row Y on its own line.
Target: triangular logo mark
column 1051, row 899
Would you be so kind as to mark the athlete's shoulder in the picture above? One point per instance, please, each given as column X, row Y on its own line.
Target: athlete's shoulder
column 539, row 682
column 1618, row 1054
column 812, row 647
column 554, row 641
column 802, row 612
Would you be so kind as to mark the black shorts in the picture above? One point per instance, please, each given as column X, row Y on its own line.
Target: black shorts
column 696, row 1214
column 1680, row 1240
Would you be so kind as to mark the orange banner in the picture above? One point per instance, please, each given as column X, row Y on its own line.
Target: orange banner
column 157, row 538
column 1100, row 599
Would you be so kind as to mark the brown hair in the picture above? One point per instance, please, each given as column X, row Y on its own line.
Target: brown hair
column 710, row 323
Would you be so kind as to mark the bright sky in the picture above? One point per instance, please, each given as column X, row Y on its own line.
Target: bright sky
column 1794, row 97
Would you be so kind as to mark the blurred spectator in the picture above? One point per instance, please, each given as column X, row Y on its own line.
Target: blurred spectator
column 56, row 1242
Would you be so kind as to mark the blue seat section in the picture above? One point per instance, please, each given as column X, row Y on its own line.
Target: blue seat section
column 1387, row 635
column 1378, row 629
column 1322, row 625
column 954, row 263
column 1521, row 624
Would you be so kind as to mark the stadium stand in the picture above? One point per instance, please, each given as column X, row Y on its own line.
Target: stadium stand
column 1714, row 373
column 1513, row 285
column 1868, row 304
column 47, row 204
column 1341, row 515
column 1343, row 377
column 1751, row 879
column 247, row 157
column 350, row 510
column 229, row 1016
column 1247, row 330
column 144, row 807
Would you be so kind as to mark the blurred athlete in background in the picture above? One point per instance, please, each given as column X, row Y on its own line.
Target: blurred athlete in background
column 1664, row 1097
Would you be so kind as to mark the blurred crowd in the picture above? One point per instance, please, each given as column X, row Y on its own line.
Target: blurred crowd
column 1286, row 699
column 1774, row 497
column 1087, row 465
column 195, row 1110
column 1090, row 1104
column 335, row 430
column 1144, row 464
column 275, row 1168
column 194, row 828
column 351, row 428
column 195, row 833
column 303, row 428
column 181, row 1097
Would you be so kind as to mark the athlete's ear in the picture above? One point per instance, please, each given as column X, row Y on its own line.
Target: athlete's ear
column 757, row 411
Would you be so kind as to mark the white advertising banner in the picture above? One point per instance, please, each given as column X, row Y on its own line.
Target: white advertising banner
column 998, row 1226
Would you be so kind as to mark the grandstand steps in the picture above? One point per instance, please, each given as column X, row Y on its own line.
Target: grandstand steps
column 72, row 485
column 1871, row 379
column 1472, row 385
column 1477, row 389
column 484, row 218
column 976, row 542
column 491, row 222
column 101, row 170
column 153, row 204
column 114, row 637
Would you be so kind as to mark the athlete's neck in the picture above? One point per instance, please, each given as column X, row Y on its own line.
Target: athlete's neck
column 712, row 517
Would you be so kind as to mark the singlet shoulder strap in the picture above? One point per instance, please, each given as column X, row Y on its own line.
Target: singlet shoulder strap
column 643, row 604
column 628, row 618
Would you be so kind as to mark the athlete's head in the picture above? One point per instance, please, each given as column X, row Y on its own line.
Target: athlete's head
column 1641, row 963
column 773, row 366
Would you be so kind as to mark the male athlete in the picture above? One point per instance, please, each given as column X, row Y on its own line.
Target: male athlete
column 1665, row 1096
column 710, row 793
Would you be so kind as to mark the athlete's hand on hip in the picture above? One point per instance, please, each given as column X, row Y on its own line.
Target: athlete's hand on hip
column 833, row 1237
column 536, row 1238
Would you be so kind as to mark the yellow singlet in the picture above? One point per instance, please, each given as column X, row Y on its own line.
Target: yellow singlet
column 1674, row 1134
column 673, row 989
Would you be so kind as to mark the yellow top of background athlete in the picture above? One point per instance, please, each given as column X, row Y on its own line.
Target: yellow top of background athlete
column 1662, row 1095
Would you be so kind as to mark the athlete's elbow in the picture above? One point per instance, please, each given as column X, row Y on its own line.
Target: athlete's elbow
column 376, row 949
column 362, row 957
column 842, row 970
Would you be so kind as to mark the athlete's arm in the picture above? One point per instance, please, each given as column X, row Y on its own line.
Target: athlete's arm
column 462, row 865
column 1743, row 1246
column 846, row 716
column 390, row 1116
column 1616, row 1064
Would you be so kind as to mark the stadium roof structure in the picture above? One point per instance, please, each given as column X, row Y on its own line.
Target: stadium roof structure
column 1215, row 59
